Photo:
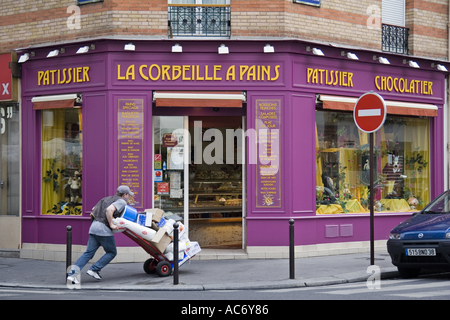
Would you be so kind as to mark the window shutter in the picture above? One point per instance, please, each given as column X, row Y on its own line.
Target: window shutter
column 393, row 12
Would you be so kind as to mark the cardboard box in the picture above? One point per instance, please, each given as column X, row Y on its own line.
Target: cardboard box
column 156, row 214
column 162, row 222
column 183, row 261
column 148, row 219
column 141, row 218
column 193, row 249
column 155, row 226
column 159, row 235
column 161, row 240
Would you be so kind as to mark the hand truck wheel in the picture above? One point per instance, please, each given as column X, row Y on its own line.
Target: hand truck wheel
column 164, row 269
column 150, row 266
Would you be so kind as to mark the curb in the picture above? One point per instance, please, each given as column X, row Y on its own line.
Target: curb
column 268, row 285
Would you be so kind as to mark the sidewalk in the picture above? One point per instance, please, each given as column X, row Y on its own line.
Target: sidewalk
column 237, row 274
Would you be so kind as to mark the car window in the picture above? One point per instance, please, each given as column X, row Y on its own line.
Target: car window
column 440, row 205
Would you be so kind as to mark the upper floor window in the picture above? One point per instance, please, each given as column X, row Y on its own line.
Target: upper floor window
column 199, row 18
column 393, row 12
column 87, row 1
column 394, row 33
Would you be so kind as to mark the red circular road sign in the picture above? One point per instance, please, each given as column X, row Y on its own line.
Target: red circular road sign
column 369, row 112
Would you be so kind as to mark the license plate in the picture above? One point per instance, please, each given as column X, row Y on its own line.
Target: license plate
column 420, row 252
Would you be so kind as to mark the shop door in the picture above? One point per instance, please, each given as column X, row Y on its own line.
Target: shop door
column 199, row 176
column 170, row 166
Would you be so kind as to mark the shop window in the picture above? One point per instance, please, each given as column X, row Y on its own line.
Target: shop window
column 62, row 159
column 401, row 164
column 9, row 159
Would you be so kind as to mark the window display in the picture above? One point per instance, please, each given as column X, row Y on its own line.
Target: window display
column 61, row 136
column 10, row 159
column 401, row 164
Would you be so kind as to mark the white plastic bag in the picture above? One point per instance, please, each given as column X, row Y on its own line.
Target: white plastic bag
column 144, row 232
column 169, row 255
column 181, row 247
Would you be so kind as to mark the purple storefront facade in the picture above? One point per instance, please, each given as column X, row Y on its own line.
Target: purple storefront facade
column 286, row 83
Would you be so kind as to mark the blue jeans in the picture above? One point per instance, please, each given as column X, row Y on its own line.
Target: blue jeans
column 109, row 245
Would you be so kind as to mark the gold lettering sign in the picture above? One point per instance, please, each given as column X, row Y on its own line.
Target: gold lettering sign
column 156, row 72
column 382, row 83
column 329, row 77
column 63, row 76
column 401, row 85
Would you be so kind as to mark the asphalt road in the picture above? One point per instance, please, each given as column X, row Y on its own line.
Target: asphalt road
column 430, row 287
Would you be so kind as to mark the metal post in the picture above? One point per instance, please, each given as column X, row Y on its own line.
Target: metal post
column 291, row 250
column 175, row 253
column 371, row 202
column 68, row 250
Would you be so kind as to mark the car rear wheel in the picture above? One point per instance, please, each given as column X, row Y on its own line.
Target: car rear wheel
column 408, row 273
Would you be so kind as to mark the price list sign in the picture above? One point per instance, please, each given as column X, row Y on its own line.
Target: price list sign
column 131, row 136
column 268, row 177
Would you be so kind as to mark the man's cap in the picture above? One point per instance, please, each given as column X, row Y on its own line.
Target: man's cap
column 125, row 189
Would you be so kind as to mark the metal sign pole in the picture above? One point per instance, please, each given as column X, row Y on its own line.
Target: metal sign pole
column 371, row 204
column 369, row 115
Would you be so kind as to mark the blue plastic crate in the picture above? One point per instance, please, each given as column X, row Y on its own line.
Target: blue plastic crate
column 130, row 213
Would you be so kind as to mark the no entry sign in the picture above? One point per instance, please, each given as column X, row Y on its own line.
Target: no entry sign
column 369, row 112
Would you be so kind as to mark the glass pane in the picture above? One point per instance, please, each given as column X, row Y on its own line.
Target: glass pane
column 168, row 173
column 9, row 159
column 440, row 205
column 62, row 156
column 215, row 174
column 401, row 164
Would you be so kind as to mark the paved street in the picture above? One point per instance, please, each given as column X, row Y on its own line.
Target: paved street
column 430, row 287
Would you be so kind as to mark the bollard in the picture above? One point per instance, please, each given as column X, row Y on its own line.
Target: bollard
column 68, row 250
column 175, row 253
column 291, row 250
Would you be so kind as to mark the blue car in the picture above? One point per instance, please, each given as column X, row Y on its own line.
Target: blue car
column 422, row 241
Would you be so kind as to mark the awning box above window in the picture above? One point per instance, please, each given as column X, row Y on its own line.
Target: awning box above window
column 393, row 107
column 216, row 99
column 54, row 102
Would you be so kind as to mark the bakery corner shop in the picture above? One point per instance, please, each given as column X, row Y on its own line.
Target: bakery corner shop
column 233, row 144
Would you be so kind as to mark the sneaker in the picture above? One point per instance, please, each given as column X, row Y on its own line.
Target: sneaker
column 73, row 278
column 94, row 274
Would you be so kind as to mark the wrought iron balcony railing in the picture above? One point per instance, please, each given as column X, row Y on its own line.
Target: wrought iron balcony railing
column 394, row 39
column 199, row 20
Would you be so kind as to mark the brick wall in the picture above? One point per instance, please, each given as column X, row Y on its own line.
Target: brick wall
column 337, row 21
column 347, row 22
column 342, row 22
column 25, row 22
column 427, row 21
